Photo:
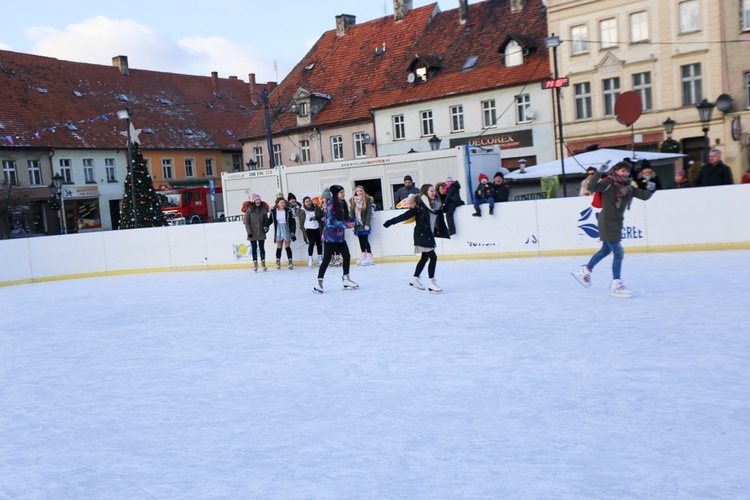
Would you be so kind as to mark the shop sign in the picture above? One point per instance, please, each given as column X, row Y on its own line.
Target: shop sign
column 81, row 192
column 509, row 140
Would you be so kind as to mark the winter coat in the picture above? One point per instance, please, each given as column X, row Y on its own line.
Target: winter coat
column 500, row 192
column 333, row 232
column 403, row 192
column 642, row 181
column 256, row 220
column 453, row 194
column 315, row 212
column 719, row 175
column 291, row 222
column 613, row 208
column 484, row 192
column 423, row 234
column 366, row 215
column 683, row 184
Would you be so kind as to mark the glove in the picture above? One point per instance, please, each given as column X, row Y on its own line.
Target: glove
column 604, row 166
column 367, row 228
column 387, row 223
column 294, row 238
column 249, row 236
column 311, row 218
column 265, row 229
column 650, row 186
column 349, row 224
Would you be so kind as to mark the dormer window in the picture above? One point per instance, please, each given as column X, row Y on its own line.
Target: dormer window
column 302, row 109
column 515, row 48
column 421, row 74
column 424, row 67
column 513, row 54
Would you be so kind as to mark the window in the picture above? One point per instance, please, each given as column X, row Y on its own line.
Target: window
column 189, row 167
column 399, row 130
column 580, row 38
column 209, row 164
column 35, row 173
column 457, row 118
column 638, row 27
column 277, row 159
column 109, row 169
column 302, row 109
column 88, row 171
column 304, row 149
column 692, row 91
column 745, row 15
column 513, row 54
column 689, row 16
column 337, row 148
column 166, row 168
column 427, row 128
column 523, row 102
column 258, row 157
column 582, row 93
column 359, row 144
column 237, row 162
column 747, row 90
column 611, row 88
column 489, row 114
column 642, row 85
column 66, row 170
column 608, row 33
column 10, row 176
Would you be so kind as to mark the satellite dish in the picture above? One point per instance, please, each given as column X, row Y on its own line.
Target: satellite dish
column 293, row 157
column 628, row 107
column 724, row 103
column 410, row 78
column 530, row 113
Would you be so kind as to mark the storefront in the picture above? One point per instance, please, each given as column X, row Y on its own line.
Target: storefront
column 82, row 211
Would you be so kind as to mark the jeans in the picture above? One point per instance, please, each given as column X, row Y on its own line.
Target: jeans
column 478, row 202
column 605, row 250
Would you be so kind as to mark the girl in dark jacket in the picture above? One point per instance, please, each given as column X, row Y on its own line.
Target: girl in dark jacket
column 334, row 238
column 311, row 218
column 429, row 224
column 256, row 225
column 285, row 226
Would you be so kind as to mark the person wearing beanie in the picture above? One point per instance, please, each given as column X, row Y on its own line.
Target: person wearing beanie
column 680, row 180
column 294, row 206
column 500, row 190
column 256, row 226
column 311, row 218
column 285, row 225
column 451, row 201
column 617, row 192
column 404, row 191
column 361, row 207
column 334, row 238
column 483, row 194
column 647, row 175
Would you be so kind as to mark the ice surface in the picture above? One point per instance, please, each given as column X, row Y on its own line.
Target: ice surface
column 515, row 382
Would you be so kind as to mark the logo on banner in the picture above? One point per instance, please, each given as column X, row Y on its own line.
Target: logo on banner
column 242, row 252
column 589, row 224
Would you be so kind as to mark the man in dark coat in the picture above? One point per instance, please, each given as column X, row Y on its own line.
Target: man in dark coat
column 716, row 173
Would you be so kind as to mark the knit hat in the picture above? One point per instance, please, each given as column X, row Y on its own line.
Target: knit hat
column 255, row 196
column 679, row 172
column 291, row 197
column 483, row 176
column 499, row 174
column 408, row 178
column 335, row 190
column 448, row 177
column 326, row 194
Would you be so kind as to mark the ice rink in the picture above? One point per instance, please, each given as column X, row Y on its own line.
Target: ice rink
column 516, row 382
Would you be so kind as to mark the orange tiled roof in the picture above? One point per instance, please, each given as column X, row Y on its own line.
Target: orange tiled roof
column 38, row 94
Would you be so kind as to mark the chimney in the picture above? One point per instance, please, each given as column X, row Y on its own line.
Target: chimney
column 251, row 79
column 517, row 6
column 401, row 8
column 463, row 11
column 121, row 63
column 215, row 82
column 343, row 23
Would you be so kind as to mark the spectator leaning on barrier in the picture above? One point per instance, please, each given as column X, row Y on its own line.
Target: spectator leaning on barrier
column 407, row 189
column 716, row 173
column 483, row 194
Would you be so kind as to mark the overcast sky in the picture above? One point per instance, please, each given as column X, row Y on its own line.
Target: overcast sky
column 233, row 37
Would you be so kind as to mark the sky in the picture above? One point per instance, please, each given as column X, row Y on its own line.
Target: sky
column 232, row 37
column 515, row 382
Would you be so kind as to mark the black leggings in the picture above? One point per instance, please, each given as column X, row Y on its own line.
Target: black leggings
column 364, row 243
column 432, row 257
column 313, row 240
column 255, row 245
column 329, row 248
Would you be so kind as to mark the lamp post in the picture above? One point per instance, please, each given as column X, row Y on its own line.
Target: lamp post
column 57, row 182
column 553, row 42
column 124, row 114
column 705, row 109
column 434, row 142
column 251, row 164
column 669, row 127
column 522, row 166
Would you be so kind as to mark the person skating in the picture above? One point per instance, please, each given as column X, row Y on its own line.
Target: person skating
column 617, row 192
column 256, row 225
column 334, row 238
column 429, row 224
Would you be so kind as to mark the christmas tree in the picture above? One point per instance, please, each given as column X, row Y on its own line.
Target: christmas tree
column 147, row 205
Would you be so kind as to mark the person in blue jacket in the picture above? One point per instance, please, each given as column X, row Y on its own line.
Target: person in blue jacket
column 334, row 238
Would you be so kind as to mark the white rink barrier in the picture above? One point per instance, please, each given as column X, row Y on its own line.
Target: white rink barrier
column 687, row 219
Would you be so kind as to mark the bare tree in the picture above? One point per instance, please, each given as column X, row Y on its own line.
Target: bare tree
column 10, row 201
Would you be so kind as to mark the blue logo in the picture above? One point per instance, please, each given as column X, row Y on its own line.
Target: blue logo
column 588, row 227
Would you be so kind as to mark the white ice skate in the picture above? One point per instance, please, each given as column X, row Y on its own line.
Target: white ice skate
column 583, row 275
column 433, row 286
column 619, row 290
column 263, row 265
column 348, row 284
column 320, row 260
column 310, row 262
column 278, row 264
column 318, row 286
column 255, row 266
column 416, row 283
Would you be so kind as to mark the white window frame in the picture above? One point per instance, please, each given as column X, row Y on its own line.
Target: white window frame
column 399, row 127
column 457, row 118
column 639, row 27
column 277, row 158
column 642, row 85
column 745, row 15
column 167, row 169
column 582, row 93
column 608, row 33
column 513, row 54
column 304, row 150
column 523, row 101
column 579, row 36
column 302, row 109
column 66, row 170
column 489, row 114
column 692, row 84
column 337, row 148
column 189, row 167
column 88, row 171
column 358, row 141
column 258, row 157
column 427, row 126
column 10, row 173
column 208, row 164
column 610, row 93
column 35, row 172
column 110, row 169
column 747, row 90
column 689, row 16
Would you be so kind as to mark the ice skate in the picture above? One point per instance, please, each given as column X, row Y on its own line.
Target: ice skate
column 291, row 265
column 255, row 266
column 368, row 259
column 583, row 275
column 416, row 283
column 278, row 264
column 348, row 284
column 310, row 262
column 618, row 289
column 320, row 260
column 433, row 286
column 263, row 265
column 362, row 259
column 318, row 286
column 336, row 261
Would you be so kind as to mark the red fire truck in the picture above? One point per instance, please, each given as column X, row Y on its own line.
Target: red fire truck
column 191, row 205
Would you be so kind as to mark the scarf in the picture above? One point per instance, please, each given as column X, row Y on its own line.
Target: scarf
column 623, row 188
column 358, row 205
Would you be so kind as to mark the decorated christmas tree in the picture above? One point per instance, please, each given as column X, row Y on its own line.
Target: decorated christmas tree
column 147, row 205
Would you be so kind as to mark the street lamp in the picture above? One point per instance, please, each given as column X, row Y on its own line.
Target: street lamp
column 124, row 114
column 669, row 127
column 705, row 109
column 553, row 42
column 434, row 142
column 522, row 166
column 57, row 182
column 251, row 164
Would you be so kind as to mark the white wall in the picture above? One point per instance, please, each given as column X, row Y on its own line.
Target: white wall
column 697, row 218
